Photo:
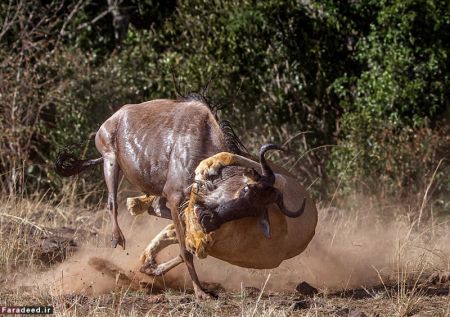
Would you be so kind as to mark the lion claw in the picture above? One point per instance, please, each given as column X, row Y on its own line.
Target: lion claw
column 151, row 269
column 208, row 168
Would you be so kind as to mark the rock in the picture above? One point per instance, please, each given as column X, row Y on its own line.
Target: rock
column 186, row 300
column 356, row 313
column 158, row 299
column 437, row 283
column 301, row 304
column 350, row 312
column 213, row 287
column 306, row 289
column 55, row 245
column 439, row 278
column 251, row 291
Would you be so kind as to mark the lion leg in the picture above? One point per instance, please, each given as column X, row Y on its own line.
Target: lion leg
column 212, row 165
column 197, row 241
column 165, row 238
column 140, row 204
column 154, row 205
column 162, row 268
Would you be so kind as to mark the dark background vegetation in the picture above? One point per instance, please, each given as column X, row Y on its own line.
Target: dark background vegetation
column 358, row 91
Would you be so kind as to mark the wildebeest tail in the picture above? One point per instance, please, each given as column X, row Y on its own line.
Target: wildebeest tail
column 67, row 164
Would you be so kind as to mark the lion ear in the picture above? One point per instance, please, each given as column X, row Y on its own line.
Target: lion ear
column 252, row 174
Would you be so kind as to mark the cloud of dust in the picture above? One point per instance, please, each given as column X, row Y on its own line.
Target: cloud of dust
column 349, row 250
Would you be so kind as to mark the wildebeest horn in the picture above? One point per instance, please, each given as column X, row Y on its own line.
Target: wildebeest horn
column 266, row 170
column 287, row 212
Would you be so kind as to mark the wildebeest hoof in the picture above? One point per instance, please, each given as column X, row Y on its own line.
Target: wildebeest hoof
column 250, row 291
column 118, row 239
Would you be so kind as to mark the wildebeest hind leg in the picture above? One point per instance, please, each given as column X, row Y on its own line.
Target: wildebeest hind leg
column 111, row 171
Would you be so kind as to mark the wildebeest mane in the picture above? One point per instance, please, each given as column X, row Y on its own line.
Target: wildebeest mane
column 234, row 144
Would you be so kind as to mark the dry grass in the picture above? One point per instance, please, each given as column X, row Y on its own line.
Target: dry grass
column 400, row 291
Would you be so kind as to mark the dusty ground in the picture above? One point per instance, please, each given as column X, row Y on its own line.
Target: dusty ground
column 433, row 301
column 360, row 264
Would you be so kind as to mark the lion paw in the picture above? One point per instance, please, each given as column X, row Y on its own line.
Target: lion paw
column 212, row 165
column 208, row 167
column 151, row 269
column 134, row 206
column 141, row 204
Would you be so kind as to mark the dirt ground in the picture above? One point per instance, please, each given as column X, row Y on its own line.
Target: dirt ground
column 378, row 301
column 357, row 265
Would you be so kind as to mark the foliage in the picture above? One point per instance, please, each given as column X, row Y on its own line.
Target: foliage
column 357, row 91
column 393, row 123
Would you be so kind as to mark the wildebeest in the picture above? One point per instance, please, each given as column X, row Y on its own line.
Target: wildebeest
column 157, row 145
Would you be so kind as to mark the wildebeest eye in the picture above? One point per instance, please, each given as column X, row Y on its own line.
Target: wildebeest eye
column 244, row 191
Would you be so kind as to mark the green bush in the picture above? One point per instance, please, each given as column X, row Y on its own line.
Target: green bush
column 402, row 92
column 357, row 91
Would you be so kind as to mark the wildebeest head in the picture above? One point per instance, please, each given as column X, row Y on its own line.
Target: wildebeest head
column 240, row 192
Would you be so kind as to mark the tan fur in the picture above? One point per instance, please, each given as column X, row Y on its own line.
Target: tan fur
column 212, row 165
column 139, row 205
column 241, row 242
column 163, row 239
column 197, row 241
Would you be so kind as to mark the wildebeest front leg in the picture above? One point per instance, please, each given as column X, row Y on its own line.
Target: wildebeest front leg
column 174, row 203
column 111, row 171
